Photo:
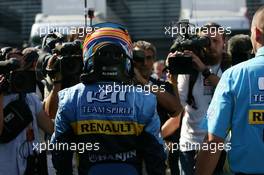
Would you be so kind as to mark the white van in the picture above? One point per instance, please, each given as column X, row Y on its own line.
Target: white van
column 227, row 13
column 64, row 16
column 64, row 24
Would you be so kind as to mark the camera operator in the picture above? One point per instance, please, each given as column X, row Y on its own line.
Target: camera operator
column 23, row 115
column 62, row 67
column 51, row 101
column 196, row 90
column 168, row 98
column 46, row 52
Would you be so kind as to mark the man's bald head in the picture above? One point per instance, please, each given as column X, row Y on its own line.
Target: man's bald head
column 258, row 19
column 257, row 29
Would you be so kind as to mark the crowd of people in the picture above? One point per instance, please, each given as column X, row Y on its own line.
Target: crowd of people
column 79, row 106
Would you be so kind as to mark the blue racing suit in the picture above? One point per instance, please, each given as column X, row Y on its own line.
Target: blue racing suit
column 117, row 126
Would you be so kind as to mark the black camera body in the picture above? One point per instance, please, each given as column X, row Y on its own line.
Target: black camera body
column 70, row 58
column 3, row 52
column 69, row 62
column 17, row 81
column 182, row 64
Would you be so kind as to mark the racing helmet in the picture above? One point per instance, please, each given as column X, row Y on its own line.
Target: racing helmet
column 107, row 54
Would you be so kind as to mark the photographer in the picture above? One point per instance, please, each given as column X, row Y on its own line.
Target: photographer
column 46, row 53
column 196, row 90
column 62, row 69
column 23, row 115
column 51, row 101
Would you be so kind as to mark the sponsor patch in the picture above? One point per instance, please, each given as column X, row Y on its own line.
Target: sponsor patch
column 256, row 117
column 107, row 127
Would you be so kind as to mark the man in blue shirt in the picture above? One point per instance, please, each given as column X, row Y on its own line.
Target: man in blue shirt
column 238, row 107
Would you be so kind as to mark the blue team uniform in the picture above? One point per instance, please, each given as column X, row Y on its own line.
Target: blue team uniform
column 124, row 126
column 238, row 106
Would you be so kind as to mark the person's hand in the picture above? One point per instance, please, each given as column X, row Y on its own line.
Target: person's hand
column 173, row 78
column 138, row 78
column 198, row 64
column 52, row 66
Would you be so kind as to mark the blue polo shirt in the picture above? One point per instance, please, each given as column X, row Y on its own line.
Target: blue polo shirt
column 238, row 106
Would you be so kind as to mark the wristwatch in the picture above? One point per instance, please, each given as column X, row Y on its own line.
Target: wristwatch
column 206, row 73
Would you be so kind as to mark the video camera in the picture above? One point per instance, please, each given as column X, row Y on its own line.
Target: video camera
column 70, row 58
column 182, row 64
column 17, row 81
column 3, row 52
column 69, row 54
column 69, row 62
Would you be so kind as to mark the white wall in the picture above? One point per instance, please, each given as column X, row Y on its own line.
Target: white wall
column 232, row 5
